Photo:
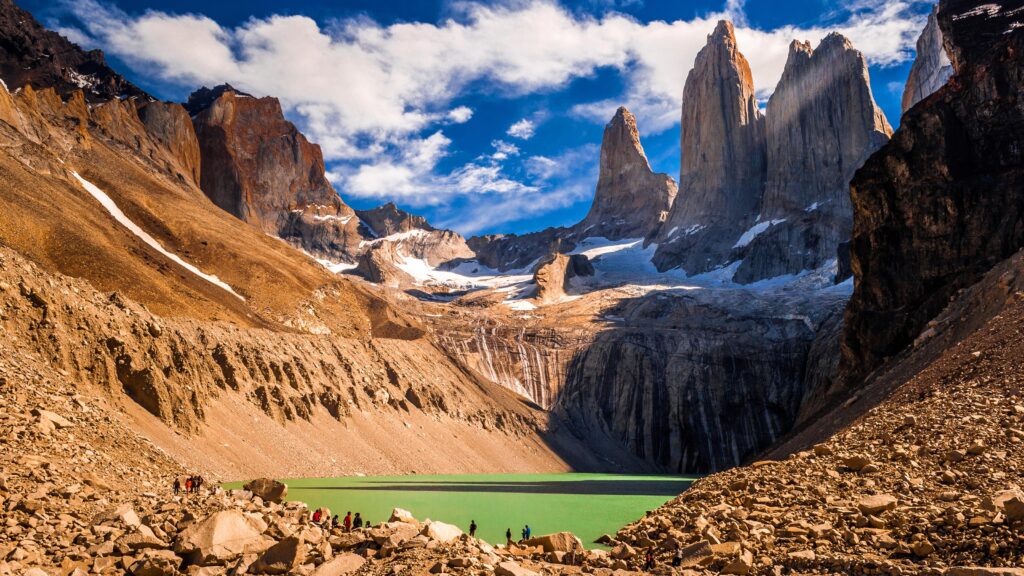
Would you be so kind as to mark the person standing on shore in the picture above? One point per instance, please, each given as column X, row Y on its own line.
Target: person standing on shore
column 348, row 521
column 508, row 537
column 472, row 528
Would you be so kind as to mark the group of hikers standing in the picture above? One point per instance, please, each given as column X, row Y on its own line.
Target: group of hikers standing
column 191, row 485
column 323, row 517
column 524, row 533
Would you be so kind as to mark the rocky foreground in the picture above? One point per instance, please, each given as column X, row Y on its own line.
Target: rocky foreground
column 927, row 482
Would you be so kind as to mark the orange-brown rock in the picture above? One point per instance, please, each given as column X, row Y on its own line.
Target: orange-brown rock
column 257, row 166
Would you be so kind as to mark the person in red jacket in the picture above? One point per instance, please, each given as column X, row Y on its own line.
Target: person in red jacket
column 348, row 521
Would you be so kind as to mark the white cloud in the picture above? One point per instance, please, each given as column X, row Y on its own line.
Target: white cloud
column 522, row 129
column 559, row 182
column 460, row 115
column 374, row 96
column 504, row 149
column 358, row 84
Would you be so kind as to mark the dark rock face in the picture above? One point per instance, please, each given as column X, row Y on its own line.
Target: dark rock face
column 723, row 159
column 389, row 219
column 943, row 201
column 33, row 55
column 631, row 201
column 698, row 382
column 260, row 168
column 821, row 124
column 931, row 68
column 506, row 252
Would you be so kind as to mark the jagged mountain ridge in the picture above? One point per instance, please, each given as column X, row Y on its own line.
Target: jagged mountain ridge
column 41, row 58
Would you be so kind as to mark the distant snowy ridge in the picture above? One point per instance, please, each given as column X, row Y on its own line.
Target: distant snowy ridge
column 118, row 215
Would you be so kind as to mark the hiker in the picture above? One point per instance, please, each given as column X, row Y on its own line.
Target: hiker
column 526, row 532
column 177, row 486
column 188, row 485
column 677, row 558
column 335, row 523
column 348, row 521
column 649, row 560
column 357, row 522
column 472, row 528
column 508, row 537
column 199, row 484
column 316, row 516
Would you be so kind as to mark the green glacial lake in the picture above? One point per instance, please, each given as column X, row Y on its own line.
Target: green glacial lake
column 587, row 504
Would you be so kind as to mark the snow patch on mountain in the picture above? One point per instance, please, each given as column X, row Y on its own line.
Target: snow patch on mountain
column 134, row 228
column 756, row 231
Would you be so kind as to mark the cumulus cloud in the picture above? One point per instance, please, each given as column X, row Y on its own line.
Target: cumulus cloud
column 522, row 129
column 358, row 79
column 374, row 96
column 460, row 114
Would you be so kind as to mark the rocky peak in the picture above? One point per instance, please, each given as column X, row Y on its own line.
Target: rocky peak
column 390, row 219
column 32, row 55
column 204, row 97
column 722, row 170
column 722, row 136
column 931, row 68
column 258, row 166
column 630, row 200
column 821, row 124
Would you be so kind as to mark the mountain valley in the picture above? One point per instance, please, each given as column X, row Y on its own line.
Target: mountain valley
column 822, row 314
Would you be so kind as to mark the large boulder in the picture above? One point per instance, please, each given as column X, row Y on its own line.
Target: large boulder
column 340, row 564
column 558, row 542
column 441, row 532
column 223, row 536
column 510, row 568
column 281, row 558
column 267, row 489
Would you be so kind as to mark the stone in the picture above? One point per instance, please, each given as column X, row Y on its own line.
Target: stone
column 742, row 564
column 807, row 555
column 876, row 504
column 694, row 554
column 982, row 571
column 156, row 566
column 281, row 558
column 123, row 513
column 223, row 536
column 510, row 568
column 401, row 515
column 59, row 422
column 557, row 542
column 440, row 531
column 856, row 462
column 340, row 564
column 267, row 489
column 623, row 552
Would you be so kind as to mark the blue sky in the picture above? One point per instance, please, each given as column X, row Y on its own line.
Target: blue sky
column 484, row 117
